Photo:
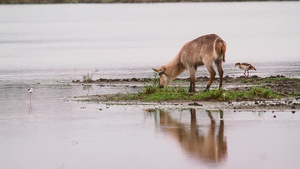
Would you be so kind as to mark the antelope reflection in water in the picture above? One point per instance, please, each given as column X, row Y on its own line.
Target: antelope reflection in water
column 209, row 147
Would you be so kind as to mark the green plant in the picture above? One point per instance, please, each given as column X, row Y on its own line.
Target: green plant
column 88, row 78
column 261, row 91
column 149, row 87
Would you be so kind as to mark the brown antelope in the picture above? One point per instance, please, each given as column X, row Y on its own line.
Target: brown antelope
column 205, row 50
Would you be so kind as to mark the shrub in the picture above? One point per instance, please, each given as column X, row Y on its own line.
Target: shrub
column 88, row 78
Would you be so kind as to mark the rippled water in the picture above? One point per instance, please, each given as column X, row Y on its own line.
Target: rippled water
column 48, row 46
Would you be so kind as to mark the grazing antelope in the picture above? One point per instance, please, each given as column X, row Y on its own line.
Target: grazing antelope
column 205, row 50
column 246, row 67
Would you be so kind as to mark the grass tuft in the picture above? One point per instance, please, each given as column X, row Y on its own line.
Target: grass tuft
column 88, row 78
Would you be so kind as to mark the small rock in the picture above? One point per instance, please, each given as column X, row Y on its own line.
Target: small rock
column 150, row 110
column 133, row 79
column 195, row 104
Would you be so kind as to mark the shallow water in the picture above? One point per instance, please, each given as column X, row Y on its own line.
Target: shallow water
column 128, row 40
column 46, row 50
column 79, row 135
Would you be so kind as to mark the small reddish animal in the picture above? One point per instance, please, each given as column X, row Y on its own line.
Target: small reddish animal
column 246, row 67
column 205, row 50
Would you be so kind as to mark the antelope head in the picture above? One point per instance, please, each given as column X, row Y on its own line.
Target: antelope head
column 164, row 79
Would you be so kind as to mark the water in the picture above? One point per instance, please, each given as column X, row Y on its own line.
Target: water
column 48, row 46
column 127, row 40
column 82, row 136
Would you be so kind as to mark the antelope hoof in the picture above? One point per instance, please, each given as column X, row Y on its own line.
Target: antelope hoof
column 191, row 90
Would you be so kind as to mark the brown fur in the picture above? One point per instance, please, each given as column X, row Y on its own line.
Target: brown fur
column 205, row 50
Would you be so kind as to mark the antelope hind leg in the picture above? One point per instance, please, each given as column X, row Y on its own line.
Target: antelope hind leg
column 219, row 65
column 212, row 74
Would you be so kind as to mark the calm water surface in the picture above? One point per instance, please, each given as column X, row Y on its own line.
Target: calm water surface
column 79, row 135
column 48, row 46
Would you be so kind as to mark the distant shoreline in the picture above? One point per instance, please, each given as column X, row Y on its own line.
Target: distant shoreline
column 120, row 1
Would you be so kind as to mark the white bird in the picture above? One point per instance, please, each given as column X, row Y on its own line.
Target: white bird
column 246, row 67
column 29, row 93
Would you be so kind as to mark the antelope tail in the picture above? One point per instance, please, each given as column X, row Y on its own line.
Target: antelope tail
column 223, row 50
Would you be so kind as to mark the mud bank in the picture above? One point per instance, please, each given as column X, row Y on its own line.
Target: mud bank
column 286, row 104
column 278, row 83
column 288, row 88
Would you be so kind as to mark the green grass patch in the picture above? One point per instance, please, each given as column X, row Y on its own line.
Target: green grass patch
column 155, row 94
column 213, row 95
column 152, row 93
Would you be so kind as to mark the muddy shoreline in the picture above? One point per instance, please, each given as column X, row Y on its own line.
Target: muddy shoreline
column 280, row 84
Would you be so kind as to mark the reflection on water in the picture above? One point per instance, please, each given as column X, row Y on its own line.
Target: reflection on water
column 29, row 108
column 208, row 147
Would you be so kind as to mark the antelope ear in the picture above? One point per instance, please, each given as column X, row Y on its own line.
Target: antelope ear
column 158, row 70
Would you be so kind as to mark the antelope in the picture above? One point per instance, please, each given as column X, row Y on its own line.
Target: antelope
column 205, row 50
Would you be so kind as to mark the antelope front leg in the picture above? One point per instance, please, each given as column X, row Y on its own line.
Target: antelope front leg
column 192, row 88
column 193, row 80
